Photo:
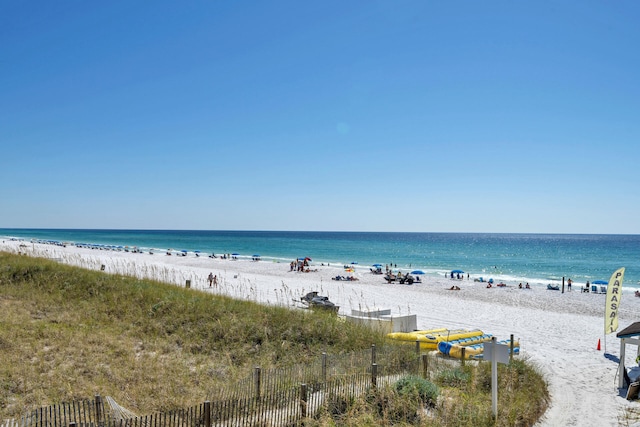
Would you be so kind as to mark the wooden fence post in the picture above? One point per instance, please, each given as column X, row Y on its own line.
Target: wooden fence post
column 417, row 347
column 373, row 353
column 99, row 411
column 256, row 381
column 303, row 400
column 207, row 414
column 324, row 367
column 464, row 351
column 511, row 353
column 425, row 366
column 374, row 375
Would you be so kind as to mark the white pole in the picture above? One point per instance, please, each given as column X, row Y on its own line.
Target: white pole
column 494, row 380
column 621, row 367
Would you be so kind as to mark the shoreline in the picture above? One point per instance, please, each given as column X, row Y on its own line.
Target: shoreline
column 510, row 258
column 558, row 332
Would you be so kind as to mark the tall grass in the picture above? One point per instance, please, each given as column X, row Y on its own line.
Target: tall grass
column 68, row 333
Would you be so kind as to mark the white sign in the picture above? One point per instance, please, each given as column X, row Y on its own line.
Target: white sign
column 497, row 352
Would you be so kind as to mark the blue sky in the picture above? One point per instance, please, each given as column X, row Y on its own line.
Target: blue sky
column 321, row 115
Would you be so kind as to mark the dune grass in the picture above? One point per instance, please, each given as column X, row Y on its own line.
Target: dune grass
column 68, row 333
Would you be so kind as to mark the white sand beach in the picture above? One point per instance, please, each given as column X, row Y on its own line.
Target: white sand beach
column 559, row 332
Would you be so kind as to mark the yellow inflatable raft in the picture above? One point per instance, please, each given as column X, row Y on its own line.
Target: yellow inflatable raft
column 429, row 339
column 413, row 336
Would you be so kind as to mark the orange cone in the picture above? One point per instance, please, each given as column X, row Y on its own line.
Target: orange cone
column 598, row 344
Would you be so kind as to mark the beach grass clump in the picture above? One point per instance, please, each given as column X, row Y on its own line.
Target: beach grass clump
column 629, row 416
column 523, row 396
column 454, row 377
column 459, row 397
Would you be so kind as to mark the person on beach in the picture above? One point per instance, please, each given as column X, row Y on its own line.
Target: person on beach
column 215, row 281
column 569, row 284
column 210, row 279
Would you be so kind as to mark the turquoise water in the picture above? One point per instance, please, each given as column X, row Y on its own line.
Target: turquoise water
column 533, row 258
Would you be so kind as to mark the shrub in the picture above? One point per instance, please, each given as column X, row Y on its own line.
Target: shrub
column 414, row 386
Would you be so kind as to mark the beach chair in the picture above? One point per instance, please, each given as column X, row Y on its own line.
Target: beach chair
column 594, row 289
column 603, row 289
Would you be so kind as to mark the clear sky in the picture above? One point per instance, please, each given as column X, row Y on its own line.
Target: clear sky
column 403, row 115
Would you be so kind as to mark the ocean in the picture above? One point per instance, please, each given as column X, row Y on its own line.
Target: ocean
column 513, row 258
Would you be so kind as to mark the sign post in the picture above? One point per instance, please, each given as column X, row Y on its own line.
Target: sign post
column 495, row 353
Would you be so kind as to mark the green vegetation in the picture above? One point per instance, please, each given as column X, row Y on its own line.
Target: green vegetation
column 418, row 388
column 463, row 400
column 68, row 334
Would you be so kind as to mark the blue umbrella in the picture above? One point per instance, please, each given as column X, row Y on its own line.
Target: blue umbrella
column 417, row 272
column 235, row 254
column 377, row 265
column 599, row 282
column 457, row 271
column 256, row 256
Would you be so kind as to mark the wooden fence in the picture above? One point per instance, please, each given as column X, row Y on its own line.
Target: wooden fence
column 269, row 398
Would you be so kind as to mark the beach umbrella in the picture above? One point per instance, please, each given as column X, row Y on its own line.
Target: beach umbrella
column 417, row 272
column 599, row 282
column 235, row 254
column 377, row 265
column 255, row 256
column 457, row 271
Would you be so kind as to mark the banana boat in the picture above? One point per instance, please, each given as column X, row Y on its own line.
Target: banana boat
column 414, row 335
column 429, row 339
column 472, row 351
